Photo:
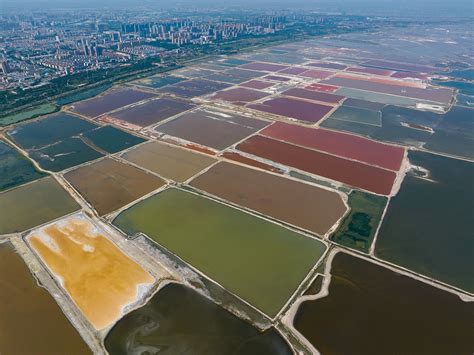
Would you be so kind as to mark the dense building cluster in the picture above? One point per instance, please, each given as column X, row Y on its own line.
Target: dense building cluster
column 38, row 47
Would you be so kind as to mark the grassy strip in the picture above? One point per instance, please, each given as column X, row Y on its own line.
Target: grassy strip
column 37, row 111
column 358, row 228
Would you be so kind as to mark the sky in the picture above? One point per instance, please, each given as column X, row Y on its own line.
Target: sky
column 369, row 7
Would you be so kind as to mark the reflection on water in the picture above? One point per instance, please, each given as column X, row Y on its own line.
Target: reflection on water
column 177, row 320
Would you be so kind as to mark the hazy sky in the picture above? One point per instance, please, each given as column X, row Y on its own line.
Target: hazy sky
column 441, row 7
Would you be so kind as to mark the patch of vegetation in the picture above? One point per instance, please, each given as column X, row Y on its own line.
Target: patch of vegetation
column 28, row 114
column 358, row 228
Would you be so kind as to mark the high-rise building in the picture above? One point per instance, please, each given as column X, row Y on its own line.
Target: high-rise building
column 5, row 68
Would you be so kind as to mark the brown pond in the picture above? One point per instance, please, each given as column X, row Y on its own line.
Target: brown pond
column 168, row 161
column 213, row 129
column 31, row 322
column 109, row 185
column 373, row 310
column 299, row 204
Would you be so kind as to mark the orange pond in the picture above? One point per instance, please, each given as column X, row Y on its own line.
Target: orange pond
column 99, row 278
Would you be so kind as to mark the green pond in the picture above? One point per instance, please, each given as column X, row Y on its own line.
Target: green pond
column 178, row 320
column 358, row 115
column 428, row 225
column 257, row 260
column 33, row 204
column 453, row 131
column 15, row 169
column 368, row 105
column 391, row 128
column 111, row 139
column 377, row 97
column 373, row 310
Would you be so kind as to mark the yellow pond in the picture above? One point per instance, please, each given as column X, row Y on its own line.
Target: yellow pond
column 100, row 279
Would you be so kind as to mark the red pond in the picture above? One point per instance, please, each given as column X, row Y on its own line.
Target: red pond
column 349, row 172
column 341, row 144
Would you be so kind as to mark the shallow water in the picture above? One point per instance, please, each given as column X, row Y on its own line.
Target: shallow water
column 259, row 261
column 112, row 100
column 31, row 322
column 99, row 278
column 111, row 139
column 109, row 185
column 168, row 161
column 373, row 310
column 15, row 169
column 211, row 128
column 49, row 130
column 33, row 204
column 178, row 320
column 428, row 225
column 64, row 155
column 296, row 203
